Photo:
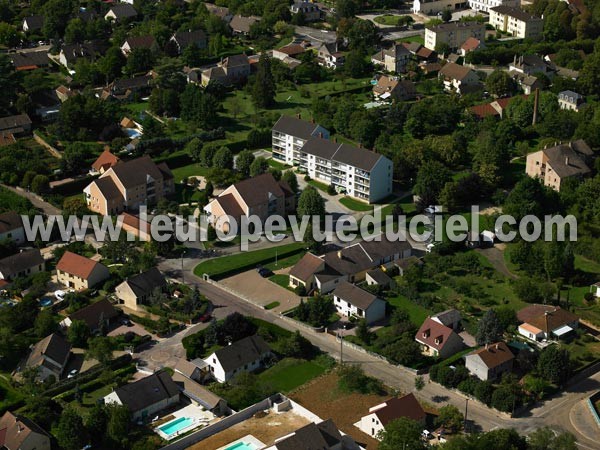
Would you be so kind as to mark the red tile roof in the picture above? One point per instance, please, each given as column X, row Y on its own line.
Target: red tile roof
column 434, row 334
column 494, row 355
column 105, row 160
column 77, row 265
column 395, row 408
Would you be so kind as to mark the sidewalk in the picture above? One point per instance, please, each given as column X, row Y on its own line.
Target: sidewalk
column 582, row 420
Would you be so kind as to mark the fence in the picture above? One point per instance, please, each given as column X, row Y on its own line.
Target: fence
column 590, row 401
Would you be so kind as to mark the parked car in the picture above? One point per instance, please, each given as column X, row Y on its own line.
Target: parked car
column 60, row 295
column 73, row 373
column 205, row 318
column 264, row 272
column 125, row 321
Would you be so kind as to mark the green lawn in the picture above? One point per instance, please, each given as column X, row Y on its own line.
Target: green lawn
column 418, row 38
column 187, row 171
column 289, row 373
column 229, row 265
column 9, row 396
column 318, row 185
column 416, row 313
column 387, row 19
column 284, row 262
column 355, row 205
column 277, row 165
column 281, row 280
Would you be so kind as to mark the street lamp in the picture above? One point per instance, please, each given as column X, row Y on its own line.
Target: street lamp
column 182, row 271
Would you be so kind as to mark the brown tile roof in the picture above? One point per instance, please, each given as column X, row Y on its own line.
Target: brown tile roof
column 425, row 53
column 545, row 317
column 230, row 205
column 140, row 42
column 455, row 71
column 484, row 110
column 354, row 295
column 105, row 160
column 470, row 44
column 77, row 265
column 292, row 49
column 14, row 430
column 54, row 347
column 9, row 221
column 91, row 314
column 135, row 222
column 108, row 188
column 242, row 24
column 494, row 355
column 306, row 267
column 258, row 190
column 395, row 408
column 134, row 173
column 433, row 334
column 6, row 138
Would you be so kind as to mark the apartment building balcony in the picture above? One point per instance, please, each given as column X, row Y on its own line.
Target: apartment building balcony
column 278, row 135
column 362, row 173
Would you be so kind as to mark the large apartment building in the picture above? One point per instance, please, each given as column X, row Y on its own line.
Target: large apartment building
column 517, row 22
column 486, row 5
column 289, row 134
column 454, row 34
column 436, row 6
column 128, row 185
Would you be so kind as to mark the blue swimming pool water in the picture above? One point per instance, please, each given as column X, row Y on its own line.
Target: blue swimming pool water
column 45, row 301
column 241, row 446
column 176, row 425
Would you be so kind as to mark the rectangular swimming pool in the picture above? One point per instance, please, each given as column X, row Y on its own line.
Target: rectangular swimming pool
column 241, row 446
column 176, row 425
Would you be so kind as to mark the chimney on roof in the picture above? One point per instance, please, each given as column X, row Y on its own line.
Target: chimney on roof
column 339, row 254
column 299, row 116
column 567, row 161
column 486, row 346
column 497, row 346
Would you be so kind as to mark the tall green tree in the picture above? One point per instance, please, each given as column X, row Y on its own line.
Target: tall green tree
column 489, row 328
column 244, row 160
column 311, row 203
column 403, row 433
column 70, row 432
column 263, row 88
column 431, row 179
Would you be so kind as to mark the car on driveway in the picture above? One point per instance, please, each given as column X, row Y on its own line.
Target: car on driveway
column 205, row 318
column 73, row 373
column 264, row 272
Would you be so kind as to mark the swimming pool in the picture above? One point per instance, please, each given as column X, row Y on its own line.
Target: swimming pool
column 45, row 301
column 176, row 425
column 241, row 446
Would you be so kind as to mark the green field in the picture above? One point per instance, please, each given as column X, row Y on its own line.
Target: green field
column 416, row 313
column 318, row 185
column 284, row 262
column 355, row 205
column 9, row 396
column 229, row 265
column 187, row 171
column 387, row 19
column 281, row 280
column 289, row 373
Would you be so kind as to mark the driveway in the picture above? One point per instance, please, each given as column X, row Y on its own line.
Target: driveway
column 35, row 199
column 496, row 258
column 261, row 291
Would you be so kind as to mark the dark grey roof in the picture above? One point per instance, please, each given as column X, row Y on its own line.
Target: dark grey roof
column 357, row 157
column 242, row 352
column 34, row 22
column 322, row 436
column 148, row 391
column 30, row 59
column 567, row 159
column 91, row 314
column 140, row 41
column 145, row 282
column 570, row 94
column 379, row 276
column 133, row 173
column 196, row 391
column 186, row 38
column 448, row 317
column 260, row 189
column 322, row 148
column 236, row 60
column 354, row 295
column 123, row 10
column 9, row 221
column 20, row 262
column 295, row 126
column 11, row 122
column 86, row 50
column 53, row 346
column 132, row 83
column 450, row 26
column 516, row 13
column 108, row 188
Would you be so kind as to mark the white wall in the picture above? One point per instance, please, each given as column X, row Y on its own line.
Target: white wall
column 381, row 180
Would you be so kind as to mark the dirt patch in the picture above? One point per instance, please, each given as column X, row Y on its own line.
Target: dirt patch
column 322, row 397
column 266, row 429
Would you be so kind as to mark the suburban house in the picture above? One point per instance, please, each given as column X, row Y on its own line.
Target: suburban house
column 104, row 162
column 490, row 362
column 20, row 433
column 183, row 39
column 453, row 34
column 309, row 10
column 262, row 196
column 289, row 134
column 541, row 322
column 147, row 396
column 95, row 316
column 487, row 5
column 221, row 12
column 137, row 42
column 529, row 65
column 19, row 124
column 516, row 22
column 378, row 277
column 459, row 79
column 288, row 54
column 438, row 340
column 393, row 88
column 357, row 172
column 137, row 227
column 493, row 109
column 554, row 164
column 528, row 83
column 314, row 436
column 136, row 290
column 49, row 356
column 570, row 100
column 124, row 88
column 231, row 70
column 351, row 264
column 128, row 185
column 29, row 60
column 393, row 59
column 352, row 301
column 430, row 7
column 450, row 318
column 11, row 227
column 78, row 272
column 241, row 25
column 22, row 264
column 380, row 415
column 120, row 12
column 187, row 377
column 470, row 45
column 33, row 23
column 64, row 93
column 245, row 355
column 329, row 56
column 70, row 54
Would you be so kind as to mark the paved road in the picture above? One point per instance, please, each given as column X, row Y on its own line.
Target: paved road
column 565, row 411
column 315, row 36
column 36, row 200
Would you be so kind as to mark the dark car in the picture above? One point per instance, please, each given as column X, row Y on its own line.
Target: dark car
column 204, row 318
column 264, row 272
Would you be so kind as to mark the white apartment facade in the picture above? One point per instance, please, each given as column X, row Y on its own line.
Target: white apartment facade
column 486, row 5
column 437, row 6
column 357, row 172
column 289, row 134
column 454, row 34
column 516, row 22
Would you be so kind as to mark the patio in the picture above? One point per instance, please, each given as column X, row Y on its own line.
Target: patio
column 195, row 415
